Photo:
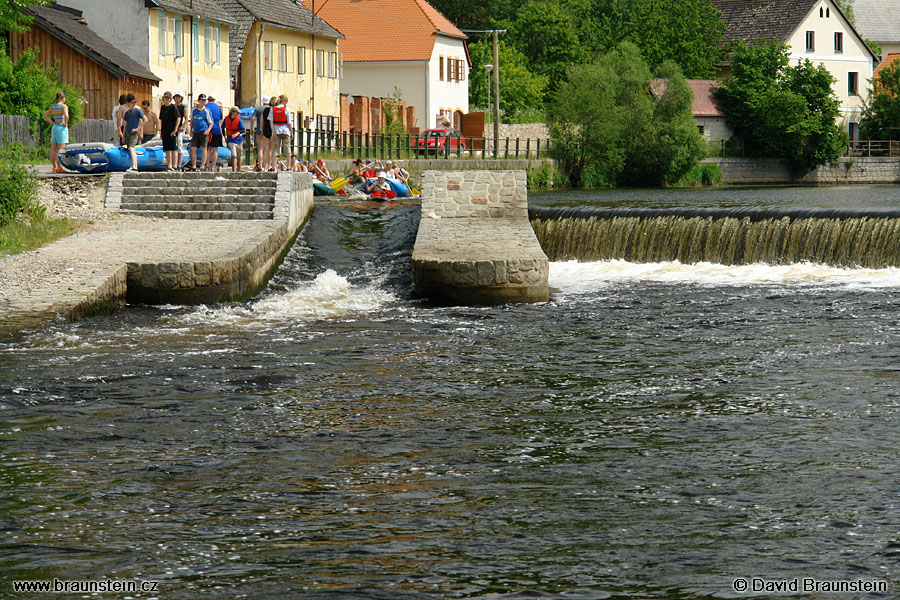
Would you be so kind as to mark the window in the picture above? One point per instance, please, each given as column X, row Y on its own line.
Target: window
column 162, row 28
column 320, row 63
column 282, row 58
column 301, row 60
column 810, row 41
column 207, row 43
column 332, row 65
column 462, row 70
column 853, row 83
column 267, row 56
column 178, row 38
column 827, row 13
column 218, row 44
column 195, row 41
column 441, row 68
column 821, row 12
column 838, row 42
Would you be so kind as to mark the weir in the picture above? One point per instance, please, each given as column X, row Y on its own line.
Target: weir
column 867, row 238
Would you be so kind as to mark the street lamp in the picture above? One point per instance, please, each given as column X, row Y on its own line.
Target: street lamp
column 489, row 69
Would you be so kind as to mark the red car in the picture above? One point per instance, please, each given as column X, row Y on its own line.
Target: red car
column 435, row 141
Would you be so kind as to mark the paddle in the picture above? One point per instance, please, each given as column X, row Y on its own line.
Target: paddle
column 339, row 183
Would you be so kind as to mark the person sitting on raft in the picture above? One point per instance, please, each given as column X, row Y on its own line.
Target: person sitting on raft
column 321, row 172
column 298, row 165
column 377, row 185
column 356, row 175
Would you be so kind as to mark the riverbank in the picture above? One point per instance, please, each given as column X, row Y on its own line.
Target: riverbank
column 115, row 256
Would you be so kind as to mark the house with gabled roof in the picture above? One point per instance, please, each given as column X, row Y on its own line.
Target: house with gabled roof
column 879, row 21
column 185, row 42
column 84, row 59
column 281, row 47
column 814, row 29
column 406, row 46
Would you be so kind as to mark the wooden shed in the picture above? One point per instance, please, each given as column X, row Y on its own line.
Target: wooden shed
column 83, row 59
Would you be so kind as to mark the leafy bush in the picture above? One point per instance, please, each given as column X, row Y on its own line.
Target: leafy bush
column 28, row 89
column 18, row 187
column 711, row 174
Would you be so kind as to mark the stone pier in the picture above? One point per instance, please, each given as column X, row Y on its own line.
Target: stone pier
column 475, row 245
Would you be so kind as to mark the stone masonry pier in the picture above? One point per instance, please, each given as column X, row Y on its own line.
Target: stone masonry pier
column 475, row 244
column 208, row 255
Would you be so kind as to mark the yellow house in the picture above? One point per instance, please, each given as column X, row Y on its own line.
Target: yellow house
column 184, row 42
column 189, row 52
column 281, row 47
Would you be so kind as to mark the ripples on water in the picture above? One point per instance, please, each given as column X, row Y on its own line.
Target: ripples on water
column 654, row 431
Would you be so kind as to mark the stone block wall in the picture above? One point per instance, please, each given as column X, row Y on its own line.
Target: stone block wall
column 523, row 131
column 475, row 244
column 772, row 171
column 454, row 194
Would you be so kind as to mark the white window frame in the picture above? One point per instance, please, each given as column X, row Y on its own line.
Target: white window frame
column 195, row 42
column 332, row 65
column 162, row 26
column 853, row 83
column 301, row 60
column 320, row 63
column 218, row 30
column 282, row 58
column 178, row 38
column 267, row 56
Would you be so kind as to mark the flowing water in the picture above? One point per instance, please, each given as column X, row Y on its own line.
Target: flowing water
column 657, row 430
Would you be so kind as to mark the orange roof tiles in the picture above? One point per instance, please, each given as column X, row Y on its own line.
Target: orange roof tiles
column 888, row 61
column 385, row 30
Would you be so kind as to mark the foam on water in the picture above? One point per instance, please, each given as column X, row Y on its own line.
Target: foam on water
column 581, row 277
column 328, row 296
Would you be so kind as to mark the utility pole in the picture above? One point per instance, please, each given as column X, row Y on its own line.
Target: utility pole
column 496, row 39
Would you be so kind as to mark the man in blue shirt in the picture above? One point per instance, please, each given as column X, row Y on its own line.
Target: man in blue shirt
column 201, row 126
column 131, row 128
column 215, row 140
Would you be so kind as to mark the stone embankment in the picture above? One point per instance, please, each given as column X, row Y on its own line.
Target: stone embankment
column 475, row 244
column 772, row 171
column 196, row 254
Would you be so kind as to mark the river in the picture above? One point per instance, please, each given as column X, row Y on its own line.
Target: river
column 655, row 431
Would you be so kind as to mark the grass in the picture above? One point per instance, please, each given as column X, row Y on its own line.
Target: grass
column 22, row 235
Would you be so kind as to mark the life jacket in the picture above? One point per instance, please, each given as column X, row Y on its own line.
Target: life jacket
column 280, row 115
column 233, row 126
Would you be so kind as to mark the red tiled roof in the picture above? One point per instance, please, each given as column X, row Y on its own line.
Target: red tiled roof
column 385, row 30
column 888, row 61
column 704, row 103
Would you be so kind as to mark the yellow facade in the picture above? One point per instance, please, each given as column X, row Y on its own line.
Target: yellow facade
column 284, row 61
column 191, row 55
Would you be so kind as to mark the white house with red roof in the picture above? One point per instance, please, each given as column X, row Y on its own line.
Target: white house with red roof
column 405, row 45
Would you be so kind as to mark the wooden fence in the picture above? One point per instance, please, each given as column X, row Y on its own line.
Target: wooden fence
column 16, row 128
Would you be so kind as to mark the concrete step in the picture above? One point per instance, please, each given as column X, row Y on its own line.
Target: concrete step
column 202, row 206
column 201, row 214
column 197, row 199
column 195, row 189
column 162, row 175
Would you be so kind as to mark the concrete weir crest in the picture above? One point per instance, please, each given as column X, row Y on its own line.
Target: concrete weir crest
column 475, row 244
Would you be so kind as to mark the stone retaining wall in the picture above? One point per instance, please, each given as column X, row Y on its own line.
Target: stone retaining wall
column 770, row 171
column 234, row 276
column 475, row 244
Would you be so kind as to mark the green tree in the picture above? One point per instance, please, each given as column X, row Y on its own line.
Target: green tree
column 609, row 129
column 688, row 33
column 28, row 89
column 881, row 113
column 520, row 89
column 12, row 15
column 543, row 32
column 486, row 14
column 781, row 110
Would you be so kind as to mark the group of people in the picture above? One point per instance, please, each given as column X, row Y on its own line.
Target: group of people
column 208, row 128
column 271, row 124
